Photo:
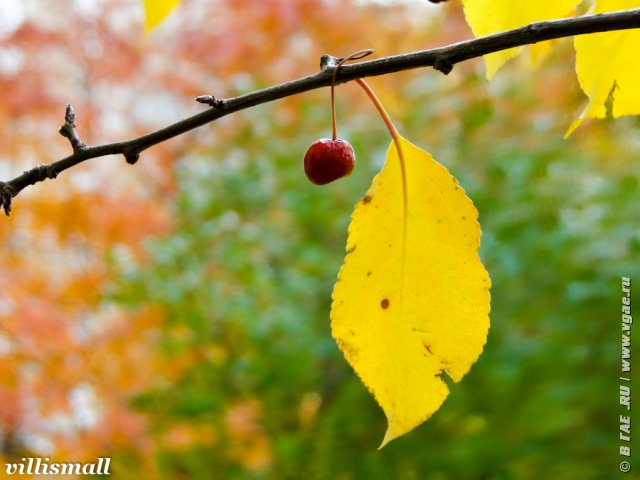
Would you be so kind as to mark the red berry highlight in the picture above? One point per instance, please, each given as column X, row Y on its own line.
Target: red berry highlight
column 327, row 160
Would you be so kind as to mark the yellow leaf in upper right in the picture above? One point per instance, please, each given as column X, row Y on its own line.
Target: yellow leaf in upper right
column 155, row 11
column 607, row 62
column 493, row 16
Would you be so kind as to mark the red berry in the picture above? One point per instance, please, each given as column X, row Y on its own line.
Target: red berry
column 327, row 160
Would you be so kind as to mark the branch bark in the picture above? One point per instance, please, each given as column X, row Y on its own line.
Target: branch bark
column 442, row 59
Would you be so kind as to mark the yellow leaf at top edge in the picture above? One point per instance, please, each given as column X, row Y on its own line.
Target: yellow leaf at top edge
column 608, row 63
column 411, row 304
column 493, row 16
column 155, row 11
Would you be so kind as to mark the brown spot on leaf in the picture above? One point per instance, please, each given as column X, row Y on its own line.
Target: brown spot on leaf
column 350, row 352
column 384, row 303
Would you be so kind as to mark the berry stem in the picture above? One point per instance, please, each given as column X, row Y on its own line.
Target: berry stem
column 333, row 106
column 354, row 56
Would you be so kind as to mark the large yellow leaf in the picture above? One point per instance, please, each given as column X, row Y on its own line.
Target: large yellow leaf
column 609, row 61
column 493, row 16
column 411, row 303
column 155, row 12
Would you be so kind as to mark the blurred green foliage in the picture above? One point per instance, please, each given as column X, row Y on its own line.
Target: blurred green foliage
column 250, row 266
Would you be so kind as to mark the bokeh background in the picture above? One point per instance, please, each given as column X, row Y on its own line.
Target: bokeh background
column 174, row 315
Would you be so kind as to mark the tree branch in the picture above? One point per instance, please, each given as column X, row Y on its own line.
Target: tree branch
column 442, row 59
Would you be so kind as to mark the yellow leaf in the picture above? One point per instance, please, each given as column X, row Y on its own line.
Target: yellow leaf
column 493, row 16
column 411, row 303
column 155, row 12
column 607, row 62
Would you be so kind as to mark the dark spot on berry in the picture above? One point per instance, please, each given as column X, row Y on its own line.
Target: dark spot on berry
column 384, row 303
column 366, row 199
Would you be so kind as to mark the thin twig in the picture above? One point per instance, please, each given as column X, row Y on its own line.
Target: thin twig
column 68, row 129
column 442, row 59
